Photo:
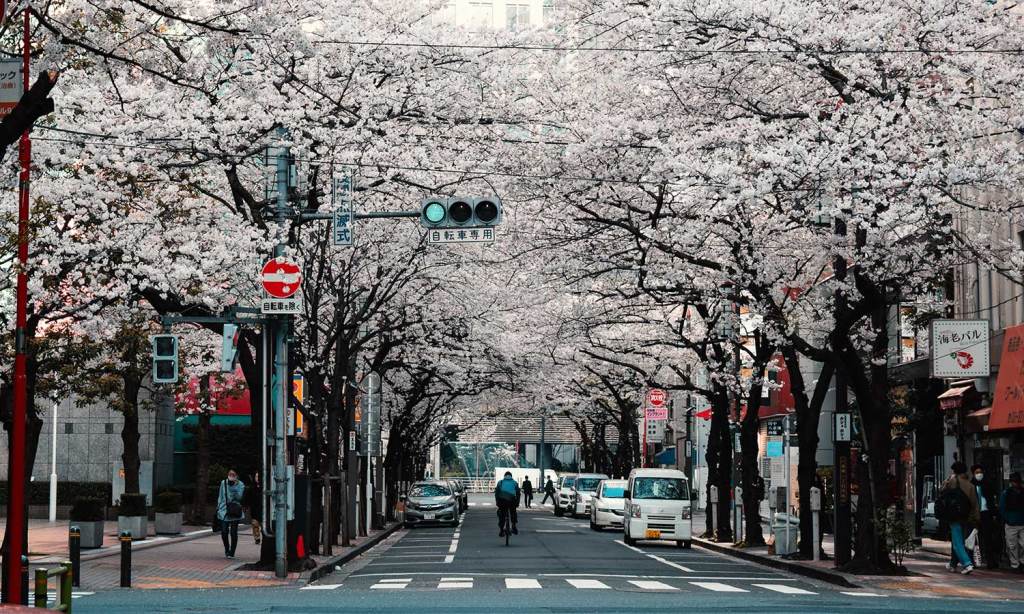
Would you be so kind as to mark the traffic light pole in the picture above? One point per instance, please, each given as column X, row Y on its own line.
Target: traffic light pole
column 280, row 328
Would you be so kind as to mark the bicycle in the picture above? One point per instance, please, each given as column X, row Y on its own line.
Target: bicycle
column 506, row 526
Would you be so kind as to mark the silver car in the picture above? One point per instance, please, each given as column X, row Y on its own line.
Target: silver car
column 431, row 502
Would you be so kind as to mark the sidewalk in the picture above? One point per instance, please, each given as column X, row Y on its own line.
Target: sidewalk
column 194, row 559
column 927, row 567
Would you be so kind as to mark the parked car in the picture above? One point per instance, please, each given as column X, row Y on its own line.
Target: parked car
column 460, row 491
column 657, row 507
column 431, row 502
column 607, row 505
column 564, row 494
column 582, row 490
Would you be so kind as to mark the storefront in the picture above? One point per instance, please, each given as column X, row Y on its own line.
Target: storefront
column 999, row 444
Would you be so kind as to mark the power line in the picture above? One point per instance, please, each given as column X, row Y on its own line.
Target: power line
column 688, row 50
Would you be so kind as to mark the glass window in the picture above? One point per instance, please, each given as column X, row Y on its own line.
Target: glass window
column 568, row 482
column 517, row 16
column 481, row 15
column 613, row 492
column 429, row 490
column 660, row 488
column 588, row 484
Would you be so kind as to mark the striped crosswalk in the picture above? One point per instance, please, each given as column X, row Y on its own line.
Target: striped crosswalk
column 621, row 583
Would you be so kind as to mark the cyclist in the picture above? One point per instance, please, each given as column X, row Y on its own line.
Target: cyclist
column 507, row 496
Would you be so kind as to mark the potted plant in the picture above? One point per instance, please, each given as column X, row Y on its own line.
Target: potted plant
column 168, row 513
column 87, row 514
column 131, row 515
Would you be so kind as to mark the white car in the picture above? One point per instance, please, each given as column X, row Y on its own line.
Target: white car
column 607, row 505
column 657, row 507
column 563, row 496
column 583, row 490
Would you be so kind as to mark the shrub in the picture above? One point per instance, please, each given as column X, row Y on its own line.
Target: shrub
column 87, row 509
column 168, row 502
column 38, row 493
column 132, row 504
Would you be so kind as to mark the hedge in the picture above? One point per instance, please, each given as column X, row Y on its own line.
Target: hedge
column 67, row 492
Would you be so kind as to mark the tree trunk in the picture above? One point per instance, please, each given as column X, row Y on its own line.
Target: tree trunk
column 719, row 459
column 130, row 432
column 748, row 448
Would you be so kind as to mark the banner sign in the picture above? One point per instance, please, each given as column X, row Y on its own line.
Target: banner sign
column 960, row 348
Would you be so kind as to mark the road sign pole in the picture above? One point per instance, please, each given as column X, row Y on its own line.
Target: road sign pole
column 280, row 328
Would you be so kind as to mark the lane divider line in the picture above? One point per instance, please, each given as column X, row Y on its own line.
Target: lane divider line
column 655, row 557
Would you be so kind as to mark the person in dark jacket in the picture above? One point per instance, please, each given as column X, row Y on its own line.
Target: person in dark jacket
column 507, row 496
column 229, row 511
column 254, row 503
column 958, row 528
column 1011, row 506
column 549, row 491
column 988, row 524
column 527, row 491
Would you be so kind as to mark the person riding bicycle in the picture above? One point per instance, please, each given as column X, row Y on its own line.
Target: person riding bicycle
column 507, row 496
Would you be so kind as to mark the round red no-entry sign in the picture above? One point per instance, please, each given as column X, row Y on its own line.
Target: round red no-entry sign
column 656, row 397
column 281, row 277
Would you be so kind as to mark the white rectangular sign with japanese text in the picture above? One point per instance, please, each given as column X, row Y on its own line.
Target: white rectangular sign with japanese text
column 960, row 348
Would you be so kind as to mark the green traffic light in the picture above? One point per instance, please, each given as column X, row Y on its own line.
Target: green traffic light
column 434, row 212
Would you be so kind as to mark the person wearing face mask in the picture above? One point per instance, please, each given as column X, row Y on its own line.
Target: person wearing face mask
column 988, row 525
column 229, row 511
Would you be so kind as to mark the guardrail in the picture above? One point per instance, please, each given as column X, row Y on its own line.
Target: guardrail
column 63, row 601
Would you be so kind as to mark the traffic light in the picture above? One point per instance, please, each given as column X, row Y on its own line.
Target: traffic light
column 165, row 359
column 229, row 348
column 460, row 212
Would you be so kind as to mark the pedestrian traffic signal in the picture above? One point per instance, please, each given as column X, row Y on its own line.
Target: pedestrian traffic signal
column 229, row 348
column 165, row 359
column 460, row 212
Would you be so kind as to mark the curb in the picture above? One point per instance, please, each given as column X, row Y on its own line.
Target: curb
column 145, row 544
column 832, row 577
column 328, row 566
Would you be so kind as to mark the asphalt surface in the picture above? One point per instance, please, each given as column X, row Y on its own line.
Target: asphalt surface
column 553, row 565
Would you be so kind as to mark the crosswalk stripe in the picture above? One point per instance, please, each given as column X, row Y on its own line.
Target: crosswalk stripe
column 580, row 583
column 387, row 580
column 782, row 588
column 718, row 587
column 455, row 584
column 652, row 585
column 521, row 583
column 391, row 586
column 320, row 587
column 852, row 594
column 456, row 579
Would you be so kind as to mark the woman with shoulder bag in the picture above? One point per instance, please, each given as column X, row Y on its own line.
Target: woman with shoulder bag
column 958, row 505
column 229, row 511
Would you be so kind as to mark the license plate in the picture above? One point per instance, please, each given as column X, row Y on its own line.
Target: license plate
column 429, row 516
column 653, row 534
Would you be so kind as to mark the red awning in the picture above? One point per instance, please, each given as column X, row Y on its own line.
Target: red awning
column 1008, row 397
column 953, row 398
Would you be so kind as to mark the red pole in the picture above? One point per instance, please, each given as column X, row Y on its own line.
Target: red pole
column 16, row 542
column 643, row 453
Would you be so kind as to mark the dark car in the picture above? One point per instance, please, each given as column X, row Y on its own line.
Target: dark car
column 460, row 491
column 431, row 502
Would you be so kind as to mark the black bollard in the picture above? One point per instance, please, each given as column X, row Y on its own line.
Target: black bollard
column 24, row 580
column 75, row 550
column 126, row 559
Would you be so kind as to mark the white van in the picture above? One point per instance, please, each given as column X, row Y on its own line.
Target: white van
column 658, row 507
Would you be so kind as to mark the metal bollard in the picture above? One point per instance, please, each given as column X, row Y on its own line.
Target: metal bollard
column 714, row 512
column 24, row 580
column 75, row 550
column 126, row 559
column 40, row 592
column 815, row 511
column 65, row 586
column 738, row 511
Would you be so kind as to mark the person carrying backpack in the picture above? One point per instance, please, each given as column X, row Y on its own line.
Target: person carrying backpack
column 506, row 497
column 229, row 511
column 1011, row 506
column 957, row 504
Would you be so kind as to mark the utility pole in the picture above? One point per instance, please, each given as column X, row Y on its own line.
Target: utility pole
column 540, row 451
column 841, row 506
column 17, row 529
column 280, row 330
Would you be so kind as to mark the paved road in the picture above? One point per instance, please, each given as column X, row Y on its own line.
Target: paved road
column 554, row 564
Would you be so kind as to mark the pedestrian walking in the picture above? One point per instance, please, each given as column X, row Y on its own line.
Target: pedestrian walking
column 1011, row 506
column 549, row 491
column 527, row 491
column 989, row 538
column 254, row 503
column 229, row 511
column 957, row 504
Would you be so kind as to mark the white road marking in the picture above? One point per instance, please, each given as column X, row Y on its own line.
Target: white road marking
column 320, row 587
column 852, row 594
column 456, row 579
column 449, row 558
column 655, row 557
column 555, row 531
column 788, row 590
column 587, row 583
column 455, row 584
column 391, row 583
column 718, row 587
column 385, row 580
column 521, row 583
column 454, row 546
column 652, row 585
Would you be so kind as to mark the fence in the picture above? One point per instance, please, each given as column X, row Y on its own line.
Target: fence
column 63, row 600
